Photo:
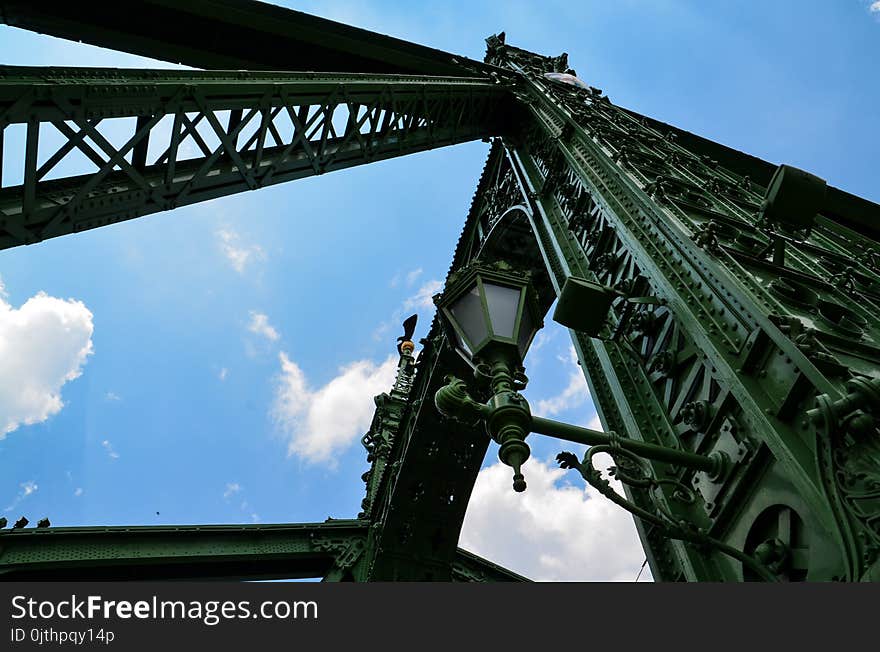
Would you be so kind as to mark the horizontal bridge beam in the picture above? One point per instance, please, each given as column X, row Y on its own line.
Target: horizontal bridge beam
column 234, row 34
column 246, row 552
column 99, row 146
column 177, row 552
column 468, row 567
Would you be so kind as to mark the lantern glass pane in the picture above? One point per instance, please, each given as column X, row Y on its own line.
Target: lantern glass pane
column 526, row 330
column 463, row 345
column 468, row 314
column 503, row 303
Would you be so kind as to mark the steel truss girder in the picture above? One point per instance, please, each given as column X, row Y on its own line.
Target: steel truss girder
column 278, row 127
column 177, row 552
column 331, row 550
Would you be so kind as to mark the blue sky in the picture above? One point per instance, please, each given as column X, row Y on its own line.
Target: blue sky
column 226, row 352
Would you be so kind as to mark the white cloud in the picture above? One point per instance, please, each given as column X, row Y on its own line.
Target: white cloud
column 109, row 448
column 327, row 420
column 423, row 298
column 421, row 303
column 544, row 335
column 246, row 507
column 27, row 488
column 259, row 324
column 232, row 488
column 112, row 396
column 78, row 492
column 875, row 7
column 238, row 255
column 43, row 344
column 412, row 276
column 554, row 531
column 223, row 373
column 574, row 394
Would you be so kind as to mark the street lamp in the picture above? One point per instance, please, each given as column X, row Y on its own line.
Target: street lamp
column 493, row 312
column 491, row 315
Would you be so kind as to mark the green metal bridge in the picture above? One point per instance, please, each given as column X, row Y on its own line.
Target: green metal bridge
column 761, row 344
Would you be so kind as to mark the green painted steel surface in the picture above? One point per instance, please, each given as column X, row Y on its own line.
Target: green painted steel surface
column 330, row 550
column 763, row 346
column 749, row 336
column 181, row 552
column 298, row 125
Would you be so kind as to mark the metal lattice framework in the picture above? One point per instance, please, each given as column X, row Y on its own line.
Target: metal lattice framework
column 761, row 343
column 192, row 136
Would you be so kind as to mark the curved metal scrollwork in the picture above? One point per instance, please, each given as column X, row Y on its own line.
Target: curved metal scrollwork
column 848, row 447
column 633, row 472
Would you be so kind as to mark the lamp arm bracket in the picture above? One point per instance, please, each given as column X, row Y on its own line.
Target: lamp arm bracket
column 453, row 401
column 632, row 472
column 714, row 464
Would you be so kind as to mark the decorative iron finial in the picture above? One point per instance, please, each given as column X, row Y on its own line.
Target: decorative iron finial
column 405, row 365
column 405, row 340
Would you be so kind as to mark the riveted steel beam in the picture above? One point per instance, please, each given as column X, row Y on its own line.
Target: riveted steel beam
column 750, row 323
column 233, row 34
column 150, row 141
column 177, row 552
column 468, row 567
column 331, row 550
column 841, row 207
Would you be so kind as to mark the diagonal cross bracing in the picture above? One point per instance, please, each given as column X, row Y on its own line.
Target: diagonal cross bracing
column 191, row 136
